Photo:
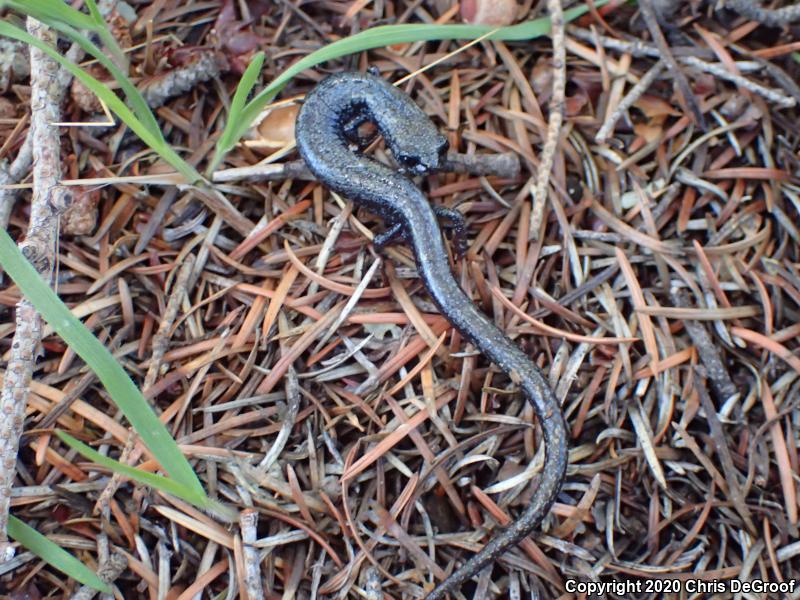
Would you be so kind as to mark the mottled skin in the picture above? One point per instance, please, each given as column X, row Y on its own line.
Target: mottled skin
column 325, row 128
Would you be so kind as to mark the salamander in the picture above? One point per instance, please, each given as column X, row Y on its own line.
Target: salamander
column 326, row 131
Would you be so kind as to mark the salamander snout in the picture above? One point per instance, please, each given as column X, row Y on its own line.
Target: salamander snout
column 426, row 156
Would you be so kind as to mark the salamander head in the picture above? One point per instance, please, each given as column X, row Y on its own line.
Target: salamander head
column 426, row 155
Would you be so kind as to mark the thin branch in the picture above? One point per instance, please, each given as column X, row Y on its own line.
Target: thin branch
column 720, row 71
column 684, row 89
column 39, row 247
column 629, row 100
column 108, row 572
column 248, row 522
column 694, row 58
column 505, row 165
column 772, row 17
column 556, row 117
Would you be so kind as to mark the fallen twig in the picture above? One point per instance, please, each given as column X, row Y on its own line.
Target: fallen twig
column 108, row 572
column 555, row 118
column 505, row 165
column 685, row 90
column 772, row 17
column 39, row 247
column 629, row 100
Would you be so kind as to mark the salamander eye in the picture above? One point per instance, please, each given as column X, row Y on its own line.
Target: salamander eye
column 409, row 162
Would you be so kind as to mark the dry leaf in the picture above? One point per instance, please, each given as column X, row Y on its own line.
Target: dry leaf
column 276, row 130
column 489, row 12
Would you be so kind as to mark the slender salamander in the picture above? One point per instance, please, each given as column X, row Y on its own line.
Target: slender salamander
column 326, row 128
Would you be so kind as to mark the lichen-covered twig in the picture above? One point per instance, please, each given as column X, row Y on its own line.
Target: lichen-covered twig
column 161, row 338
column 14, row 62
column 203, row 66
column 19, row 167
column 39, row 247
column 11, row 174
column 556, row 116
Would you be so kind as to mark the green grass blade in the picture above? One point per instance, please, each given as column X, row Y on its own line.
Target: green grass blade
column 168, row 486
column 133, row 95
column 53, row 12
column 122, row 390
column 94, row 12
column 47, row 10
column 246, row 84
column 54, row 555
column 154, row 140
column 159, row 482
column 378, row 37
column 106, row 35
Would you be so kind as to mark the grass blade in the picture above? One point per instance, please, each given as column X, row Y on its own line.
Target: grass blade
column 163, row 484
column 159, row 482
column 54, row 555
column 122, row 390
column 246, row 84
column 105, row 34
column 378, row 37
column 152, row 139
column 94, row 12
column 53, row 12
column 47, row 10
column 133, row 95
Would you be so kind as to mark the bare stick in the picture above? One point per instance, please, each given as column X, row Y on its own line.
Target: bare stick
column 505, row 165
column 556, row 116
column 636, row 92
column 772, row 17
column 641, row 49
column 108, row 572
column 720, row 71
column 708, row 351
column 39, row 247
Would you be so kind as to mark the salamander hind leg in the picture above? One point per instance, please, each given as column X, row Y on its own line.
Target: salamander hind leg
column 395, row 232
column 456, row 226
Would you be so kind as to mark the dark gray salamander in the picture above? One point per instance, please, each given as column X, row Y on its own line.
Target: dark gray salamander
column 325, row 127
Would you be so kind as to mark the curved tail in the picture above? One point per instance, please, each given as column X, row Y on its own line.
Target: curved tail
column 493, row 343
